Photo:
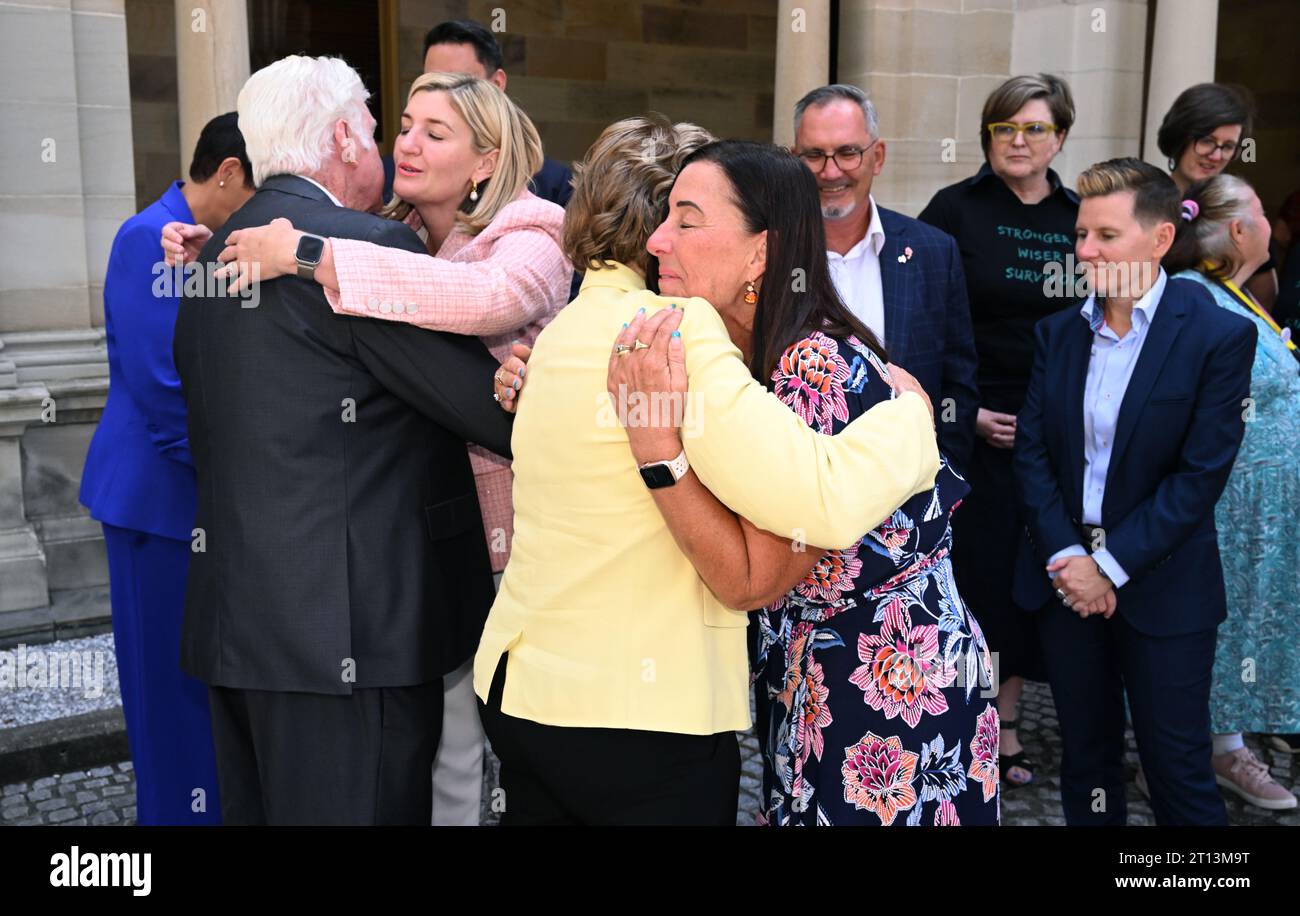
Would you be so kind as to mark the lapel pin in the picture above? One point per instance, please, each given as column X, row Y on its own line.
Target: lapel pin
column 906, row 255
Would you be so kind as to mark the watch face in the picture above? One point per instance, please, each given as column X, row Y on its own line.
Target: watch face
column 310, row 249
column 658, row 475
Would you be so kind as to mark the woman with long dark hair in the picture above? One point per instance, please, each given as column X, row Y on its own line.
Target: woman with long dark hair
column 869, row 665
column 613, row 677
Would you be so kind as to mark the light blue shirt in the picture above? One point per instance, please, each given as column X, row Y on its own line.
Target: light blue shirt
column 1110, row 367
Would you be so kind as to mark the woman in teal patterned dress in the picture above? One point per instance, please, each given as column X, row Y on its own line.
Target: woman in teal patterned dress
column 1222, row 240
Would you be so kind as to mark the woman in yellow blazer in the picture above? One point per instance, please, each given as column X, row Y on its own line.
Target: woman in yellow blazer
column 613, row 679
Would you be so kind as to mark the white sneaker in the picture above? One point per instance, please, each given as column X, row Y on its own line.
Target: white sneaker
column 1244, row 774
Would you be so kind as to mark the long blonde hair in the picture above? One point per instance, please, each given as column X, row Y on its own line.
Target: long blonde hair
column 495, row 122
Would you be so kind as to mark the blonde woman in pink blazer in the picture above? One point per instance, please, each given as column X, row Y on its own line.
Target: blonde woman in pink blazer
column 463, row 160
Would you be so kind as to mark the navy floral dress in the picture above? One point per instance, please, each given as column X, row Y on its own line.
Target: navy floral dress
column 873, row 678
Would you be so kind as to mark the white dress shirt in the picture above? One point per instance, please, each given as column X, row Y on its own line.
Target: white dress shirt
column 337, row 202
column 1110, row 367
column 856, row 275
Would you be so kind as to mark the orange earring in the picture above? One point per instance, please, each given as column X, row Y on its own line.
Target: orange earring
column 750, row 295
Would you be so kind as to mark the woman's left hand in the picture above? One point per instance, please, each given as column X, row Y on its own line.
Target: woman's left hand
column 259, row 253
column 508, row 381
column 647, row 382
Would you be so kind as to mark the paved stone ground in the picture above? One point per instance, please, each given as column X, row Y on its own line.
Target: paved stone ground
column 94, row 670
column 102, row 796
column 106, row 795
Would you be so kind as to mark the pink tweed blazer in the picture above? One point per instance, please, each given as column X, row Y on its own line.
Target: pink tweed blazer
column 504, row 284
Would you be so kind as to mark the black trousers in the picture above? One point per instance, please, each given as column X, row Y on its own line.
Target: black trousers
column 307, row 758
column 1091, row 664
column 554, row 775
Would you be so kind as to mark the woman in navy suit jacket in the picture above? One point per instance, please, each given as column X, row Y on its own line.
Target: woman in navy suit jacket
column 139, row 483
column 1130, row 428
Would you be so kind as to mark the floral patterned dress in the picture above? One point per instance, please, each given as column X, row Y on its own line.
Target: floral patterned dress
column 873, row 678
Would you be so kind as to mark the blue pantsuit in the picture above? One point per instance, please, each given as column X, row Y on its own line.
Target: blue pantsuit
column 168, row 725
column 139, row 483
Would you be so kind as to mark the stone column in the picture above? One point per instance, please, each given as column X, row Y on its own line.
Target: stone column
column 1182, row 55
column 803, row 59
column 925, row 64
column 211, row 63
column 67, row 185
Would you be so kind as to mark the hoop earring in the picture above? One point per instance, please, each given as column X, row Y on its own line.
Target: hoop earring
column 473, row 192
column 750, row 295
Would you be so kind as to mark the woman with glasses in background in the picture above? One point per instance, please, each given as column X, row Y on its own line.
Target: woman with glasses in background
column 1204, row 130
column 1011, row 220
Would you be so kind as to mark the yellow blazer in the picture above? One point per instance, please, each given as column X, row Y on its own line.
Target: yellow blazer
column 605, row 621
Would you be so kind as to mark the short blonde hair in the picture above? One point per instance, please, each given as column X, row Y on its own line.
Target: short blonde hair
column 1155, row 196
column 620, row 189
column 495, row 123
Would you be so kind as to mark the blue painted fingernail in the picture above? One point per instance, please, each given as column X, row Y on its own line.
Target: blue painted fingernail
column 516, row 384
column 625, row 324
column 673, row 306
column 641, row 310
column 677, row 333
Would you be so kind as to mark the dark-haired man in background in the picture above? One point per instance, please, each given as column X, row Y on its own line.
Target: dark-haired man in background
column 138, row 482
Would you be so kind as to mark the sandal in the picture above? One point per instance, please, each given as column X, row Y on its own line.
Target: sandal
column 1019, row 759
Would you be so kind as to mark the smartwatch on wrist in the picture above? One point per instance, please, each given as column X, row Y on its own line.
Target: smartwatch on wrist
column 660, row 474
column 311, row 248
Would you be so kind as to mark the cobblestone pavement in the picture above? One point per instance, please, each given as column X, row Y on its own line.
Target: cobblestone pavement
column 101, row 796
column 106, row 795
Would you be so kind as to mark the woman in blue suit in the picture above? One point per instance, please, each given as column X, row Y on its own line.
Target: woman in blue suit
column 139, row 483
column 1131, row 424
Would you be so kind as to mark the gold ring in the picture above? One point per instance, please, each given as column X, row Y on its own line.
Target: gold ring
column 642, row 346
column 621, row 349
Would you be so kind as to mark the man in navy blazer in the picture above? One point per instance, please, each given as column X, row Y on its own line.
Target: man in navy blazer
column 1132, row 422
column 901, row 277
column 138, row 482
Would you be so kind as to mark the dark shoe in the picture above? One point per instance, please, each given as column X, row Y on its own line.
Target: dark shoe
column 1019, row 759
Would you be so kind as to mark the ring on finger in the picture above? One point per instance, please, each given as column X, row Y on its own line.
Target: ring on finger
column 642, row 346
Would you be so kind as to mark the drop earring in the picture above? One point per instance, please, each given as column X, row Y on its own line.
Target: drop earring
column 750, row 295
column 473, row 192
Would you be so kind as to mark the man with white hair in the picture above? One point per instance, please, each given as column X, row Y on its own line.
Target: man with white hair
column 340, row 567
